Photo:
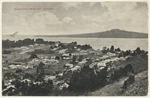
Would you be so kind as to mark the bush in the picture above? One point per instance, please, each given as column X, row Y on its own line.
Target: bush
column 6, row 52
column 32, row 56
column 112, row 49
column 87, row 80
column 18, row 70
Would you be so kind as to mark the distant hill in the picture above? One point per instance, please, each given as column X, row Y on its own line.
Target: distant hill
column 114, row 33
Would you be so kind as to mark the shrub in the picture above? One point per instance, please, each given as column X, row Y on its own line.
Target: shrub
column 32, row 56
column 87, row 80
column 6, row 52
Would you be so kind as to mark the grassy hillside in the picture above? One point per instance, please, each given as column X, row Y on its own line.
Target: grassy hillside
column 139, row 63
column 138, row 88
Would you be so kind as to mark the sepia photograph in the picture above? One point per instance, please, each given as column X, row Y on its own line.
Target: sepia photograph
column 75, row 48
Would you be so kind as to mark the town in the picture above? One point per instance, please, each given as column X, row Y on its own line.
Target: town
column 39, row 68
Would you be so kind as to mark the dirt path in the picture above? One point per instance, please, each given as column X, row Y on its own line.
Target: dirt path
column 115, row 88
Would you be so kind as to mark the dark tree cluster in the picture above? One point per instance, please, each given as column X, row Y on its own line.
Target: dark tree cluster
column 41, row 51
column 32, row 56
column 84, row 47
column 37, row 86
column 70, row 46
column 122, row 72
column 29, row 88
column 87, row 80
column 111, row 49
column 6, row 52
column 137, row 51
column 8, row 44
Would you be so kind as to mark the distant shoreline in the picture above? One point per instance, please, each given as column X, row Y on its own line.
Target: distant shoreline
column 59, row 36
column 87, row 37
column 114, row 33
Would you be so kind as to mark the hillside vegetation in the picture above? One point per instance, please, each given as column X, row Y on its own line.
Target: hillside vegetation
column 138, row 88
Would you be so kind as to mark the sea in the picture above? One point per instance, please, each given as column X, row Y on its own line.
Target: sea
column 96, row 43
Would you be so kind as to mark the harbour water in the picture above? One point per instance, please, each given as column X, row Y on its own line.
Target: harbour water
column 96, row 43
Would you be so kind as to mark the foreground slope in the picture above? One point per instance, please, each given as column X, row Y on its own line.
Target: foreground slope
column 138, row 88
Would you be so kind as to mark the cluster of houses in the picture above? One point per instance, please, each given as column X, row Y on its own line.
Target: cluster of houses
column 93, row 58
column 62, row 79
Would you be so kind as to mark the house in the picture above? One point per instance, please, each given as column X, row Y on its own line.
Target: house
column 98, row 52
column 101, row 64
column 32, row 46
column 68, row 65
column 57, row 43
column 53, row 57
column 24, row 48
column 64, row 85
column 36, row 44
column 108, row 55
column 40, row 68
column 26, row 80
column 12, row 66
column 5, row 68
column 54, row 49
column 50, row 61
column 60, row 74
column 83, row 52
column 76, row 68
column 75, row 54
column 66, row 56
column 83, row 62
column 62, row 51
column 47, row 77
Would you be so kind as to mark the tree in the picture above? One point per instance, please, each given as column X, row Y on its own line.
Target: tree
column 32, row 56
column 28, row 41
column 6, row 52
column 85, row 47
column 18, row 70
column 83, row 80
column 80, row 58
column 74, row 59
column 107, row 50
column 117, row 50
column 104, row 50
column 86, row 79
column 61, row 45
column 3, row 85
column 112, row 49
column 102, row 75
column 39, row 41
column 57, row 58
column 40, row 68
column 137, row 51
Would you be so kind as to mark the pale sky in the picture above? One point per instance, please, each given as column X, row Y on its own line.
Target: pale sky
column 73, row 17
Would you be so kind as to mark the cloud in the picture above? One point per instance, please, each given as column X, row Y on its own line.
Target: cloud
column 69, row 5
column 12, row 23
column 44, row 22
column 67, row 19
column 45, row 18
column 76, row 17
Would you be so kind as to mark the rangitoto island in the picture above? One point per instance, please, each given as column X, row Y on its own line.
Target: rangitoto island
column 114, row 33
